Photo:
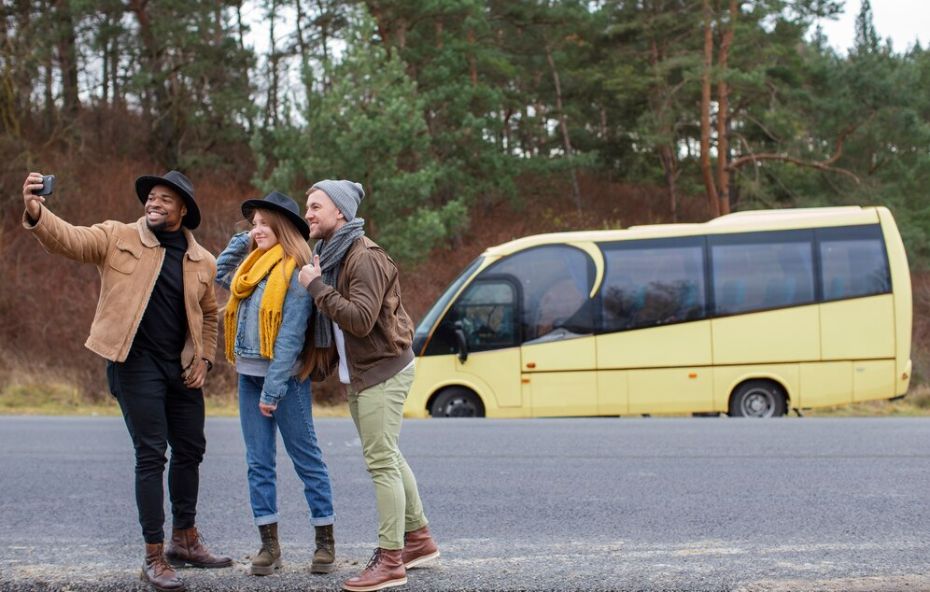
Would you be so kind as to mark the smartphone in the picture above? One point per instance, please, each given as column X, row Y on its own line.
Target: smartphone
column 48, row 185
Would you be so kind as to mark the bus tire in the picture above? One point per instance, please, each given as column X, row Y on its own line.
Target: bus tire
column 758, row 398
column 457, row 402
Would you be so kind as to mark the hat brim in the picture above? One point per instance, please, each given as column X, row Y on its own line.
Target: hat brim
column 144, row 186
column 250, row 205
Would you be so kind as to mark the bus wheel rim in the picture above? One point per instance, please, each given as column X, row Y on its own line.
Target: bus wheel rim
column 758, row 403
column 460, row 407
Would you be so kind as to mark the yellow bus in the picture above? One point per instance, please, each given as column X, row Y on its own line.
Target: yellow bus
column 750, row 314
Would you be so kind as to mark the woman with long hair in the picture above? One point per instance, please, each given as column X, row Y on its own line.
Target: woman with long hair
column 265, row 324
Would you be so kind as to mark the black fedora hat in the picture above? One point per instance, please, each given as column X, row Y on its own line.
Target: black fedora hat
column 278, row 202
column 179, row 183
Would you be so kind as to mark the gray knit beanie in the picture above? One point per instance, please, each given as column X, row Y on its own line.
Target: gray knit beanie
column 345, row 194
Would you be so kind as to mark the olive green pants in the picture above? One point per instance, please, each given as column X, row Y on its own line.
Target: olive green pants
column 377, row 412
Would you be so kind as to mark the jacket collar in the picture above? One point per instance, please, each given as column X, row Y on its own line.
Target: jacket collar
column 149, row 239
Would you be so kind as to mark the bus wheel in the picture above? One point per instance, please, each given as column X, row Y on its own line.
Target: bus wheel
column 757, row 398
column 457, row 402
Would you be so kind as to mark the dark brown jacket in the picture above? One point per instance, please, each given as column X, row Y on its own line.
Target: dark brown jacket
column 367, row 307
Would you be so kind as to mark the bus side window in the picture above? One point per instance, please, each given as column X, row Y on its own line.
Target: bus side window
column 555, row 282
column 853, row 262
column 780, row 292
column 654, row 282
column 732, row 296
column 689, row 301
column 622, row 302
column 558, row 304
column 485, row 313
column 762, row 271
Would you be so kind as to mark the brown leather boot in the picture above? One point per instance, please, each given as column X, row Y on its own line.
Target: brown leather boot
column 186, row 548
column 268, row 558
column 419, row 547
column 324, row 558
column 385, row 569
column 157, row 572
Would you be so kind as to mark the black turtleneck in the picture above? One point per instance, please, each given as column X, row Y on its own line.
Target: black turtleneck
column 163, row 328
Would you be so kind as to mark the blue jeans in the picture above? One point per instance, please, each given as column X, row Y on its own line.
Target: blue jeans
column 293, row 418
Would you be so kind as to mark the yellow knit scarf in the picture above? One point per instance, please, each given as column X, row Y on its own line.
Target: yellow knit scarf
column 251, row 271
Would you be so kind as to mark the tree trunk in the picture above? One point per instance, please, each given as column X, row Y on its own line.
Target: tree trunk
column 67, row 59
column 105, row 77
column 665, row 149
column 392, row 27
column 301, row 42
column 706, row 172
column 49, row 90
column 115, row 85
column 271, row 104
column 723, row 112
column 472, row 62
column 670, row 170
column 563, row 126
column 21, row 72
column 239, row 25
column 163, row 142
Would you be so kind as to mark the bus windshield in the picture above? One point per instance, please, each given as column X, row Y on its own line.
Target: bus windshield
column 423, row 329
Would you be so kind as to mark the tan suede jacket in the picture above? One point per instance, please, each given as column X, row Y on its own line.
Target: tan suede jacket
column 129, row 259
column 366, row 305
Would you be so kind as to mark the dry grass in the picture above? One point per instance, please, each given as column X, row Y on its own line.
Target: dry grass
column 915, row 404
column 26, row 393
column 51, row 398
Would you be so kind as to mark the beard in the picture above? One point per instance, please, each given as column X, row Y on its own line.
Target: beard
column 157, row 227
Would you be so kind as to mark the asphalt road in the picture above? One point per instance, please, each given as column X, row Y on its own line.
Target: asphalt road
column 560, row 504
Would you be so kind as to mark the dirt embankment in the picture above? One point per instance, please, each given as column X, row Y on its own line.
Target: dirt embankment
column 47, row 303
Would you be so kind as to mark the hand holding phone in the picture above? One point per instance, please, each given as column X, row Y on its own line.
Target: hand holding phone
column 35, row 188
column 48, row 185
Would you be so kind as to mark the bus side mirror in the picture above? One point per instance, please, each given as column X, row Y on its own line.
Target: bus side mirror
column 461, row 341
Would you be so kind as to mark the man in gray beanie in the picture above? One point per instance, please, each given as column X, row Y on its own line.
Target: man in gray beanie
column 346, row 195
column 362, row 332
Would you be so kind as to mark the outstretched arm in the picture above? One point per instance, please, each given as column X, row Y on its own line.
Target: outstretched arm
column 81, row 243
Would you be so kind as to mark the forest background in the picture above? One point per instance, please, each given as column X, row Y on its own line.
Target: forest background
column 469, row 122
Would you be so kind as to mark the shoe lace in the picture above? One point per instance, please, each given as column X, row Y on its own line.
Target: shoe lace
column 197, row 540
column 160, row 566
column 375, row 559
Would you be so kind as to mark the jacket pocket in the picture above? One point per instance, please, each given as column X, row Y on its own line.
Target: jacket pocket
column 125, row 257
column 203, row 283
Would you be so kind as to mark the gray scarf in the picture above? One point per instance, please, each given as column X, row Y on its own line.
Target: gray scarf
column 331, row 252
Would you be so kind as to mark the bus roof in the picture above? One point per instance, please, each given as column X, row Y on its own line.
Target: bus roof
column 750, row 220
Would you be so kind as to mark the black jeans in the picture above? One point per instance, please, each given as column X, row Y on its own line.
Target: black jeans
column 159, row 410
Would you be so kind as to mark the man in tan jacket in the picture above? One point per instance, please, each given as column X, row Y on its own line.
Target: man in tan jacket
column 361, row 331
column 156, row 326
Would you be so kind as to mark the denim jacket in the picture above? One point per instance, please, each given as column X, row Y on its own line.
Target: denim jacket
column 290, row 340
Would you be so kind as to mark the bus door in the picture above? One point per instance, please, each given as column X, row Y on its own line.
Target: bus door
column 485, row 318
column 559, row 377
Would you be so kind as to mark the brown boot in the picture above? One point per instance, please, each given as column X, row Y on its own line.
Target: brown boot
column 419, row 547
column 268, row 558
column 324, row 558
column 385, row 569
column 186, row 548
column 157, row 572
